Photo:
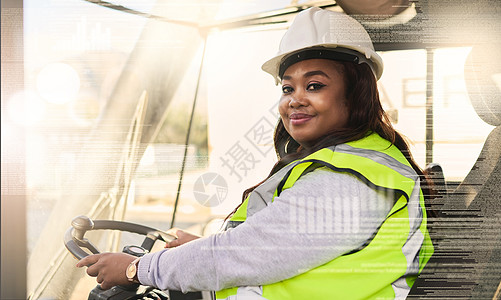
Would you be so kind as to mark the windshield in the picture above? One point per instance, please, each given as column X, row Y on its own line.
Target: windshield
column 143, row 120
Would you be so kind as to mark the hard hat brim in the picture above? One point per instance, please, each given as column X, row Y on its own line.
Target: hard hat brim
column 272, row 66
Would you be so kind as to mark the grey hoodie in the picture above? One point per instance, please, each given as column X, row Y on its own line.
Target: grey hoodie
column 322, row 216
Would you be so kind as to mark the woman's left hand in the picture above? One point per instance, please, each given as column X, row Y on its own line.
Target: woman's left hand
column 182, row 237
column 109, row 268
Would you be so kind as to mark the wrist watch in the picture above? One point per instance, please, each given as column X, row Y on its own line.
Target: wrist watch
column 131, row 271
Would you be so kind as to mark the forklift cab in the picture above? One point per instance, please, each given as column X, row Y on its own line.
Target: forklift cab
column 465, row 229
column 136, row 116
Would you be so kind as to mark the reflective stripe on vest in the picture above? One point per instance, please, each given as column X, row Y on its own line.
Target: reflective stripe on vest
column 386, row 267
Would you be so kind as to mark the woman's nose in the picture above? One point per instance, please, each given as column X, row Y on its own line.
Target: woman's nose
column 297, row 101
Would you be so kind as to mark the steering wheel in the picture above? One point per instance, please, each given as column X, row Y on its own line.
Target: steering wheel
column 75, row 241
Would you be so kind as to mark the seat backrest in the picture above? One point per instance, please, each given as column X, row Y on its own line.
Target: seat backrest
column 467, row 258
column 481, row 189
column 438, row 188
column 483, row 82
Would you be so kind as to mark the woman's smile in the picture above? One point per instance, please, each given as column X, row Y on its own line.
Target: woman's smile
column 300, row 118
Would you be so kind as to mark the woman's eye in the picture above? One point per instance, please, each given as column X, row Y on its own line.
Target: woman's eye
column 315, row 86
column 286, row 89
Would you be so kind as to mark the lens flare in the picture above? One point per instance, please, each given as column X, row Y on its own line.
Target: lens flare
column 26, row 108
column 58, row 83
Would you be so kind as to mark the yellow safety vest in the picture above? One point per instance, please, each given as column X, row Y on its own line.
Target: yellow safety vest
column 388, row 265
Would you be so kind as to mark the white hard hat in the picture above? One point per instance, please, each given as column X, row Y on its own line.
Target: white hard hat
column 318, row 33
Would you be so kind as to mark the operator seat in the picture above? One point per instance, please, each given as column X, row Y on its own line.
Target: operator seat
column 467, row 258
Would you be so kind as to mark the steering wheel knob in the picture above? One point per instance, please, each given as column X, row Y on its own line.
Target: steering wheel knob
column 81, row 224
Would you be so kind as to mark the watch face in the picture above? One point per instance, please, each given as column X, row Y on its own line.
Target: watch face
column 131, row 270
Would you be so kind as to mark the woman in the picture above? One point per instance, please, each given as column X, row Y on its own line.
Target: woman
column 341, row 215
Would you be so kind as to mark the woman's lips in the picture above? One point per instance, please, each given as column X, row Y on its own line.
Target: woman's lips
column 299, row 118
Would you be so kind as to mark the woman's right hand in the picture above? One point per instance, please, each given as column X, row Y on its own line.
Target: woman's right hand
column 182, row 237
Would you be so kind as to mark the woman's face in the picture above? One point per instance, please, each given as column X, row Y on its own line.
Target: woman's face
column 313, row 101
